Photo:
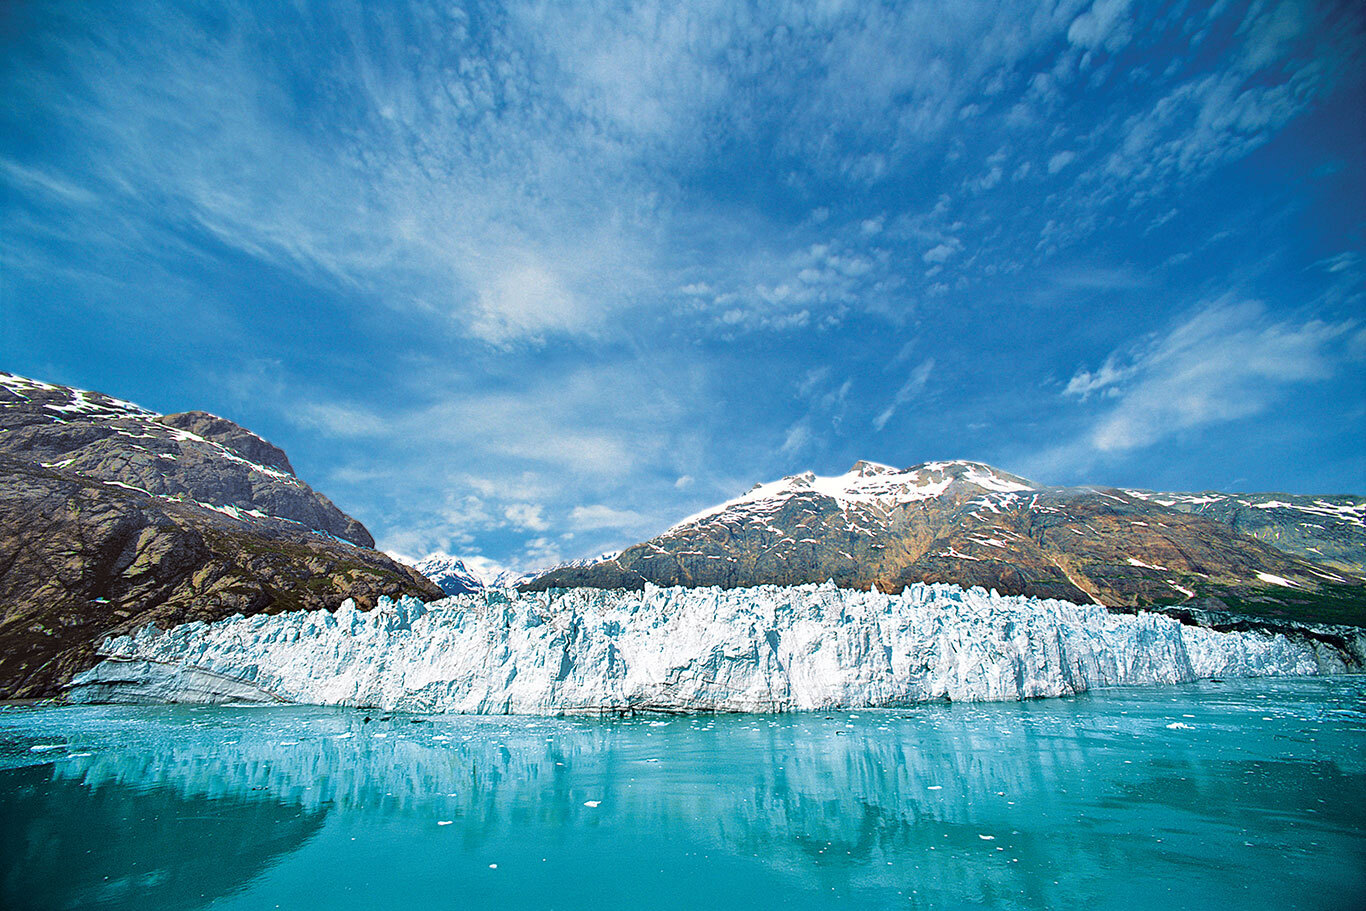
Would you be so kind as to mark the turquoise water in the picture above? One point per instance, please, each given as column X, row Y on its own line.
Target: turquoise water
column 1232, row 795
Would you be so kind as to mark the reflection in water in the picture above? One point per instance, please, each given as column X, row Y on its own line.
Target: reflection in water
column 65, row 843
column 1161, row 798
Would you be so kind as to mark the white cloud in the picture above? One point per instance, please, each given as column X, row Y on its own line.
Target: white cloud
column 526, row 516
column 1229, row 360
column 988, row 180
column 337, row 420
column 1060, row 161
column 35, row 180
column 940, row 253
column 797, row 438
column 914, row 385
column 540, row 553
column 1085, row 382
column 600, row 515
column 1106, row 24
column 500, row 464
column 524, row 302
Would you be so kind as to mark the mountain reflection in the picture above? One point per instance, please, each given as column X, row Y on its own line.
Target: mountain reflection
column 66, row 843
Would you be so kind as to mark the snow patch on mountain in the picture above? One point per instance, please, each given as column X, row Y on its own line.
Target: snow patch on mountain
column 674, row 649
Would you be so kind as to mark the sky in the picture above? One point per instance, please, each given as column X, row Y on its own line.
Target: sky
column 527, row 281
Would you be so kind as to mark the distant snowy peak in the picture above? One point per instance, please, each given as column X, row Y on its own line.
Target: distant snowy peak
column 1346, row 509
column 869, row 484
column 1329, row 529
column 470, row 575
column 573, row 564
column 450, row 574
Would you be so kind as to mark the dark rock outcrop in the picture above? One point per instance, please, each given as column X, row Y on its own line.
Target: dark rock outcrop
column 112, row 517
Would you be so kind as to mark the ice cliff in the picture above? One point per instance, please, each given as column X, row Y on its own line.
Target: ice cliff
column 675, row 649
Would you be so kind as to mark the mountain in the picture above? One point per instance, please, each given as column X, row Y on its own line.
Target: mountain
column 451, row 574
column 456, row 576
column 113, row 516
column 1330, row 529
column 971, row 524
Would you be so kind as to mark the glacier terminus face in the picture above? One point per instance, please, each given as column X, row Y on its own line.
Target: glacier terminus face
column 758, row 649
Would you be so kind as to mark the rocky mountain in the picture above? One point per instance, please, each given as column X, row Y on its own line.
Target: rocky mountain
column 113, row 516
column 971, row 524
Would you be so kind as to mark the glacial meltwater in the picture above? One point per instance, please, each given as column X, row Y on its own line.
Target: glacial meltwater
column 1241, row 794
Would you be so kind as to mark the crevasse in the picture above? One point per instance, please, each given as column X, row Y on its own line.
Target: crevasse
column 676, row 649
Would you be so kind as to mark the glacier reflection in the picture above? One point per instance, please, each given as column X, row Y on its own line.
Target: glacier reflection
column 1013, row 804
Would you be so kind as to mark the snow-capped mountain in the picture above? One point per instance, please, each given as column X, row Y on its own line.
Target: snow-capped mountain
column 459, row 576
column 451, row 574
column 968, row 523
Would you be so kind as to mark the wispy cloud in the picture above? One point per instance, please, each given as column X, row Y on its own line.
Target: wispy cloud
column 1227, row 361
column 914, row 385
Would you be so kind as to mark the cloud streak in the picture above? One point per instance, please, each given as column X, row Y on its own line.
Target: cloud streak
column 1226, row 362
column 914, row 386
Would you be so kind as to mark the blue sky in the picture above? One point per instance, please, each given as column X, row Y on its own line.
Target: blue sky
column 532, row 280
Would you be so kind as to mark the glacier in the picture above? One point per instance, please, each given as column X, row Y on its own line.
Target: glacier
column 761, row 649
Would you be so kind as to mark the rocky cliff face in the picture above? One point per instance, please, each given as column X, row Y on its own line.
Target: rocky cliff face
column 970, row 524
column 112, row 516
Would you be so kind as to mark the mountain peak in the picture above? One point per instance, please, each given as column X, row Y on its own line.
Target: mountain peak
column 232, row 435
column 865, row 469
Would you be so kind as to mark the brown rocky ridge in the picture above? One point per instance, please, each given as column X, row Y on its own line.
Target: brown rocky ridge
column 113, row 517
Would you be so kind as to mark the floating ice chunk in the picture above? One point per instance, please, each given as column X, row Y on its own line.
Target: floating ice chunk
column 1179, row 726
column 592, row 803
